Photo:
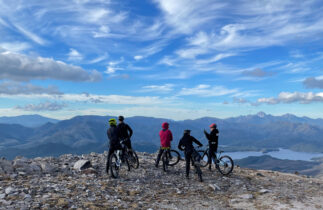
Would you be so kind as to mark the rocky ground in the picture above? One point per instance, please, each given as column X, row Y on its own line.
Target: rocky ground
column 58, row 183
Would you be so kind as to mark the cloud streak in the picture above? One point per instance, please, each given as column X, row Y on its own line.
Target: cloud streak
column 295, row 97
column 46, row 106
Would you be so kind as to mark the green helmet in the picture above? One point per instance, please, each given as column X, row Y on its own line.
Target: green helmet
column 112, row 121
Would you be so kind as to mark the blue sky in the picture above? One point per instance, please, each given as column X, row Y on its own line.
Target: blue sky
column 163, row 58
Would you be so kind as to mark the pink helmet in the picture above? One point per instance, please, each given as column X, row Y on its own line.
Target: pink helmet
column 213, row 125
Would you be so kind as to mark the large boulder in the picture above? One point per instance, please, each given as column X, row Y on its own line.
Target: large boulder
column 48, row 168
column 82, row 164
column 6, row 167
column 22, row 164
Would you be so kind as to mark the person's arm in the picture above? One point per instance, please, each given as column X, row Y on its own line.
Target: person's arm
column 170, row 135
column 130, row 131
column 180, row 144
column 207, row 135
column 196, row 141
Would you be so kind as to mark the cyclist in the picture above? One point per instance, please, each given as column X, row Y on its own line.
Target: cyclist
column 212, row 137
column 166, row 137
column 113, row 136
column 125, row 133
column 187, row 142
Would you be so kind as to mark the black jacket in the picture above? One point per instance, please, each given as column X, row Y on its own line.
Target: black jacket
column 125, row 132
column 213, row 138
column 187, row 142
column 113, row 135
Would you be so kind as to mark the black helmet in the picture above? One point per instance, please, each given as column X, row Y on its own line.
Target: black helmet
column 121, row 118
column 187, row 131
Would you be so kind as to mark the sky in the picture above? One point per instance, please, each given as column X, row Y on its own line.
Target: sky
column 182, row 59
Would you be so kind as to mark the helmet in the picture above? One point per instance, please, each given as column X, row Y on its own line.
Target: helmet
column 121, row 118
column 213, row 125
column 187, row 131
column 112, row 121
column 165, row 125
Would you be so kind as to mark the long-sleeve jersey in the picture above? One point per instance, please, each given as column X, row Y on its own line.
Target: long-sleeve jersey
column 187, row 142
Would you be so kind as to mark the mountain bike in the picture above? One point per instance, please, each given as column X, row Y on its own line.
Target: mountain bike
column 169, row 157
column 132, row 157
column 117, row 160
column 224, row 164
column 196, row 162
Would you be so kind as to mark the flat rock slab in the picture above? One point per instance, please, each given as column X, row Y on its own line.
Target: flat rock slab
column 82, row 164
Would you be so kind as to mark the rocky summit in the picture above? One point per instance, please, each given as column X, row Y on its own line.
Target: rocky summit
column 80, row 182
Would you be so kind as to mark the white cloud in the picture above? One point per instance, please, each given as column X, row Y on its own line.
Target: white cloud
column 46, row 106
column 114, row 66
column 138, row 57
column 207, row 91
column 158, row 88
column 93, row 98
column 295, row 97
column 20, row 67
column 74, row 55
column 187, row 15
column 191, row 52
column 14, row 46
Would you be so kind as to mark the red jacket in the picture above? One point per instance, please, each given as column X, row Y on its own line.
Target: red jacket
column 165, row 135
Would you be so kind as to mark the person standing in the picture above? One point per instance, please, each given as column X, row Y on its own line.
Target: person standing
column 125, row 132
column 212, row 137
column 186, row 144
column 166, row 137
column 114, row 141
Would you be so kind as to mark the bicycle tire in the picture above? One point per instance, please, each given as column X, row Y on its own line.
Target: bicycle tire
column 114, row 166
column 175, row 157
column 204, row 158
column 133, row 160
column 225, row 165
column 126, row 159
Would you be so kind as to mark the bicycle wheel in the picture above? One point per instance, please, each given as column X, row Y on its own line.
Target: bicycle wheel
column 165, row 162
column 133, row 160
column 174, row 157
column 204, row 158
column 225, row 165
column 114, row 166
column 126, row 160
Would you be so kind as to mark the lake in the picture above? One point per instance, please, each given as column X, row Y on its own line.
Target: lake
column 281, row 154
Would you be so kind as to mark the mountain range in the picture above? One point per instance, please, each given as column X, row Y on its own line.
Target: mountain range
column 28, row 120
column 83, row 134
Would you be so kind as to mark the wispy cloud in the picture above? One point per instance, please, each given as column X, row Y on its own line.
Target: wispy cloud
column 295, row 97
column 46, row 106
column 114, row 66
column 15, row 46
column 204, row 90
column 31, row 35
column 158, row 88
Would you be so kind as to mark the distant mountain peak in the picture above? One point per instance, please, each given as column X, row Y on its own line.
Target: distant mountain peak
column 261, row 114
